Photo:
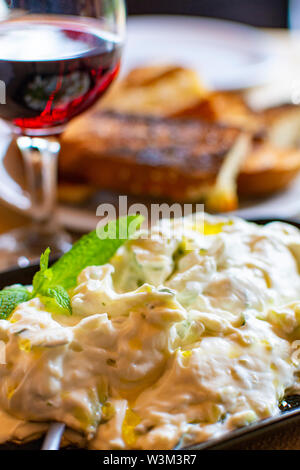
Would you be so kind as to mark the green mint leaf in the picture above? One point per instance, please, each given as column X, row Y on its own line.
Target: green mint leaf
column 10, row 298
column 57, row 300
column 51, row 284
column 44, row 261
column 91, row 250
column 43, row 277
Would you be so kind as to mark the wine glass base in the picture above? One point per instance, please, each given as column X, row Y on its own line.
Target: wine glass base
column 21, row 247
column 42, row 132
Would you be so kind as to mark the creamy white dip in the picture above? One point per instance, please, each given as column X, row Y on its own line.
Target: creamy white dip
column 176, row 340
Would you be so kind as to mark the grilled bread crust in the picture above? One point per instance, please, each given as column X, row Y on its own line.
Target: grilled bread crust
column 160, row 90
column 228, row 108
column 268, row 169
column 172, row 158
column 150, row 156
column 274, row 159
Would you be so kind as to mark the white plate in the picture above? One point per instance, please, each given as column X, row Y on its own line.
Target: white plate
column 227, row 55
column 285, row 204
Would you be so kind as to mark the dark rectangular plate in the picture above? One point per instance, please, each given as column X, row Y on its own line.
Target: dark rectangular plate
column 290, row 413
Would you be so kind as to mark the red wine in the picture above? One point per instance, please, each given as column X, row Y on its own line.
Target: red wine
column 54, row 69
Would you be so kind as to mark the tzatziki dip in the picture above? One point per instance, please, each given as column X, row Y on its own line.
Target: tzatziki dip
column 177, row 339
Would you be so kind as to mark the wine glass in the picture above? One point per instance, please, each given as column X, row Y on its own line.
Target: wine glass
column 57, row 57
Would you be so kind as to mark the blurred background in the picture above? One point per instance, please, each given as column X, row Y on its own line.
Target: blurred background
column 254, row 61
column 263, row 13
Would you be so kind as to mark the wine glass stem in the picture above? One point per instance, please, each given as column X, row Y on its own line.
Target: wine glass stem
column 25, row 244
column 40, row 157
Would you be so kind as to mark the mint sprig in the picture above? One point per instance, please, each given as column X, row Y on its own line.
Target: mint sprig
column 93, row 249
column 10, row 298
column 57, row 300
column 51, row 285
column 43, row 276
column 54, row 297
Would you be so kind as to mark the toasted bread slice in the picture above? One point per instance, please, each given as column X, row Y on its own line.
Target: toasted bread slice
column 176, row 92
column 268, row 169
column 273, row 161
column 283, row 125
column 280, row 125
column 157, row 91
column 227, row 108
column 184, row 160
